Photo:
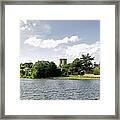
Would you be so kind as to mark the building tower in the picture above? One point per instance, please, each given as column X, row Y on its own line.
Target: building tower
column 62, row 62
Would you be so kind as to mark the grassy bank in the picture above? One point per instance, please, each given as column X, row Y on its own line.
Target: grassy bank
column 74, row 77
column 80, row 77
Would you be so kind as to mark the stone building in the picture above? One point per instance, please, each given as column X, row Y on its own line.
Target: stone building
column 62, row 62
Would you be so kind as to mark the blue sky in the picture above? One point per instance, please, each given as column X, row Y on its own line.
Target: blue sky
column 55, row 39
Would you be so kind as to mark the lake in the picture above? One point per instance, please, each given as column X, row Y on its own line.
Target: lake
column 48, row 89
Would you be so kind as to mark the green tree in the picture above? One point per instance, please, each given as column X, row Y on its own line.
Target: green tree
column 45, row 69
column 25, row 70
column 96, row 71
column 22, row 66
column 77, row 65
column 28, row 65
column 87, row 63
column 66, row 70
column 22, row 73
column 52, row 69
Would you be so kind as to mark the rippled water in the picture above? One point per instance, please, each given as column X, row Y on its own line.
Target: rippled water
column 59, row 89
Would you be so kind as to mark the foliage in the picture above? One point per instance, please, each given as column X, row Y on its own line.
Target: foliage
column 46, row 69
column 87, row 63
column 82, row 72
column 96, row 71
column 22, row 73
column 79, row 66
column 25, row 70
column 26, row 65
column 41, row 69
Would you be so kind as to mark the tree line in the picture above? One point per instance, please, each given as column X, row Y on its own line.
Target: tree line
column 46, row 69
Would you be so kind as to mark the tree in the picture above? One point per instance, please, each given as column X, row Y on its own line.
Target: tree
column 96, row 71
column 66, row 70
column 71, row 69
column 52, row 69
column 22, row 73
column 45, row 69
column 25, row 70
column 87, row 63
column 22, row 66
column 28, row 65
column 77, row 65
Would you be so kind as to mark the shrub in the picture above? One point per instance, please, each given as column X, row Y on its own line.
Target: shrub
column 45, row 69
column 96, row 71
column 82, row 72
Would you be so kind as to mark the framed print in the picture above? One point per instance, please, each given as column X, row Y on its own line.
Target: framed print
column 60, row 59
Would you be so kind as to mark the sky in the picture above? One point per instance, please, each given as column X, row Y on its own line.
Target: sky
column 51, row 40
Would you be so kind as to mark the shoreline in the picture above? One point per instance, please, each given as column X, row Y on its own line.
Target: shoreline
column 68, row 78
column 65, row 78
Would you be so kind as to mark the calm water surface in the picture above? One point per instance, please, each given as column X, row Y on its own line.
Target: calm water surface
column 47, row 89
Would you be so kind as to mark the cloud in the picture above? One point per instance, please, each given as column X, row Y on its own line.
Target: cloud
column 46, row 26
column 50, row 43
column 34, row 27
column 23, row 25
column 24, row 21
column 34, row 24
column 79, row 49
column 63, row 48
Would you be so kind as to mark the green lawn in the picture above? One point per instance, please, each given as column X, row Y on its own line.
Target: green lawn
column 81, row 77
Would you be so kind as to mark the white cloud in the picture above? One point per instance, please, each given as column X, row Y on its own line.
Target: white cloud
column 34, row 24
column 79, row 49
column 50, row 43
column 34, row 27
column 24, row 25
column 24, row 21
column 66, row 50
column 46, row 26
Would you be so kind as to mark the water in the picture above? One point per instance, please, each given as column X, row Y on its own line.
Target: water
column 47, row 89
